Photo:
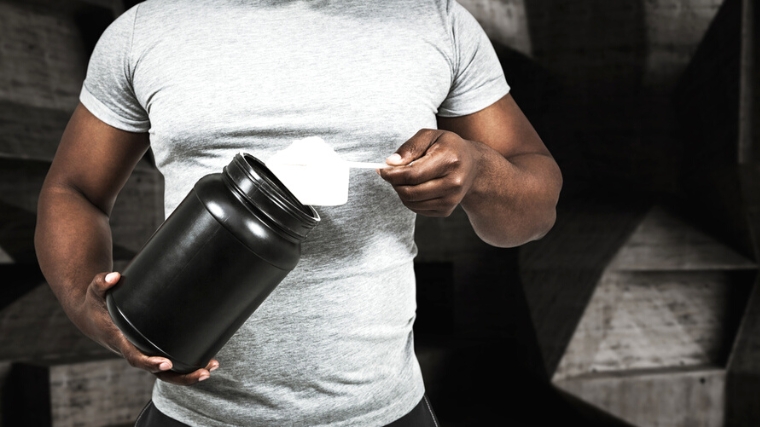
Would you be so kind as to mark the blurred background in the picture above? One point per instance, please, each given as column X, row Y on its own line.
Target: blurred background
column 638, row 309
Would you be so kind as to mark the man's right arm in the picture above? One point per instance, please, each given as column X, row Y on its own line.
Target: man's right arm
column 73, row 235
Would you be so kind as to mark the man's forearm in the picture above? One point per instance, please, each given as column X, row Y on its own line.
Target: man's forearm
column 73, row 243
column 512, row 200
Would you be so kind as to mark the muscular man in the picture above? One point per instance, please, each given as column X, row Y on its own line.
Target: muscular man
column 415, row 81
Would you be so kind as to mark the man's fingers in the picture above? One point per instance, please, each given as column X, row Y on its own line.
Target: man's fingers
column 424, row 169
column 115, row 340
column 160, row 367
column 112, row 278
column 153, row 364
column 213, row 365
column 184, row 379
column 441, row 174
column 428, row 190
column 192, row 377
column 414, row 148
column 104, row 282
column 157, row 364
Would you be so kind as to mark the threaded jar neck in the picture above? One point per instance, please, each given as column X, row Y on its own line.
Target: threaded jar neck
column 259, row 187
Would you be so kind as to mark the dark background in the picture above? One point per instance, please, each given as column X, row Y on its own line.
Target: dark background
column 638, row 308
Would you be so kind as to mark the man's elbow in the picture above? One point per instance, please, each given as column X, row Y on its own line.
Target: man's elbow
column 545, row 224
column 540, row 226
column 548, row 214
column 534, row 225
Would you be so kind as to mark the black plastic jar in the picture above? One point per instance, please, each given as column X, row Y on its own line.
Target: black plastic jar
column 230, row 242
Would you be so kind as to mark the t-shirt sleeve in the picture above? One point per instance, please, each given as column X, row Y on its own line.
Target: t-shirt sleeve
column 107, row 91
column 478, row 79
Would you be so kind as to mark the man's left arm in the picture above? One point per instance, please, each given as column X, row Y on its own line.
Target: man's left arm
column 492, row 162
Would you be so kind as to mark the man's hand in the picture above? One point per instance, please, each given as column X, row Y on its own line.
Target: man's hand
column 433, row 171
column 93, row 319
column 492, row 163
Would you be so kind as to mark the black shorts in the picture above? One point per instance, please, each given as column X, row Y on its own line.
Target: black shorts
column 421, row 416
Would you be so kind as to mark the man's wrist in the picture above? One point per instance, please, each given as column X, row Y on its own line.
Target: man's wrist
column 484, row 182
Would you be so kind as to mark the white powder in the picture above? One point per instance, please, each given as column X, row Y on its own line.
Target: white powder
column 311, row 151
column 312, row 171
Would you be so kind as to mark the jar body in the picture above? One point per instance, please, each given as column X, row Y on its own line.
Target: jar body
column 200, row 276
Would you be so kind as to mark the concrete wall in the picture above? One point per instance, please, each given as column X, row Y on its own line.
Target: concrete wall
column 44, row 48
column 598, row 76
column 503, row 20
column 42, row 58
column 616, row 64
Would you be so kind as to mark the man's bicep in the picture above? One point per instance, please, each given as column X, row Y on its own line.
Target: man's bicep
column 502, row 126
column 95, row 159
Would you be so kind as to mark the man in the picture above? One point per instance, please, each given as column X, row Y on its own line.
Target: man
column 198, row 81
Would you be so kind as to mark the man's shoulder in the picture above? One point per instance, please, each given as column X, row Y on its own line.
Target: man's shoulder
column 152, row 8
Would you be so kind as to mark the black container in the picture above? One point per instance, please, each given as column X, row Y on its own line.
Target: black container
column 230, row 242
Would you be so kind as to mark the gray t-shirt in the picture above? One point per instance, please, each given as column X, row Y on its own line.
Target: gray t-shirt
column 333, row 344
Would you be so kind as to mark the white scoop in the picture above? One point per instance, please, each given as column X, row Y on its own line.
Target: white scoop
column 314, row 172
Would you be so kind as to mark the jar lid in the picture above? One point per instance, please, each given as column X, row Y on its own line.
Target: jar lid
column 261, row 188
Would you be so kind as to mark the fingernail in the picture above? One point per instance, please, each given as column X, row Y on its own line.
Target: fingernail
column 214, row 368
column 110, row 277
column 165, row 366
column 393, row 158
column 203, row 377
